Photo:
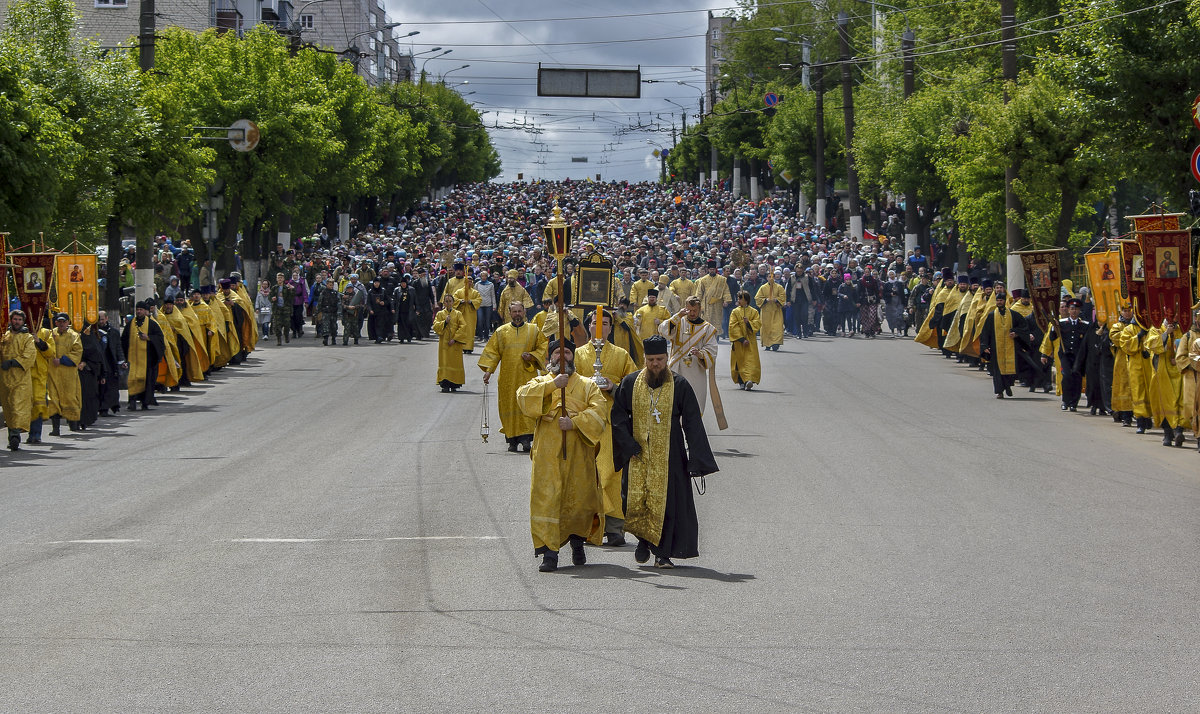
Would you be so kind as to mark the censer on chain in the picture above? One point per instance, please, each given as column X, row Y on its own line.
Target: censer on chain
column 484, row 430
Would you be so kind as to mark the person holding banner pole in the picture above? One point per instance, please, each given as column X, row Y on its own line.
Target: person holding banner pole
column 1166, row 383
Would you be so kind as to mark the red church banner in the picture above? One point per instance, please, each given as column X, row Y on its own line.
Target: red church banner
column 1167, row 259
column 1042, row 282
column 32, row 276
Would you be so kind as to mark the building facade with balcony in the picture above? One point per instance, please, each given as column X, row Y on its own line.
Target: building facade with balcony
column 360, row 30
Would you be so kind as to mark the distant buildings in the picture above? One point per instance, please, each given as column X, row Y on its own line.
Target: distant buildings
column 360, row 30
column 714, row 54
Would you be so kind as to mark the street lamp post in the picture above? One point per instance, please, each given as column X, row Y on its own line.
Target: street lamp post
column 443, row 54
column 856, row 221
column 447, row 72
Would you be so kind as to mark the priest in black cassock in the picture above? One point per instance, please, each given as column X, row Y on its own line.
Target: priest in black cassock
column 145, row 345
column 653, row 412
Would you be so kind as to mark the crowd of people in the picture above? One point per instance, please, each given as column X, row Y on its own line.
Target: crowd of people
column 692, row 266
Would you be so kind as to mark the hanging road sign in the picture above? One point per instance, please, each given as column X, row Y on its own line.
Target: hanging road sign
column 771, row 99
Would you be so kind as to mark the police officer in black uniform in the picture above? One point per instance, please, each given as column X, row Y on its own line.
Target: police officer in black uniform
column 1072, row 354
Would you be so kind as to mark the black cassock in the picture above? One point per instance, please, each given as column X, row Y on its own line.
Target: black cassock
column 156, row 347
column 114, row 355
column 681, row 529
column 89, row 378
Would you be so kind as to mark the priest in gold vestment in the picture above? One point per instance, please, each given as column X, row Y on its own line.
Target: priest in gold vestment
column 565, row 502
column 658, row 435
column 517, row 349
column 615, row 365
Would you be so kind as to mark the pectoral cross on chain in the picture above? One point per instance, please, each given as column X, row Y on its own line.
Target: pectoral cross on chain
column 656, row 414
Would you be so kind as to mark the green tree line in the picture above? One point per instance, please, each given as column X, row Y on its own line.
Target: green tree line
column 1099, row 117
column 90, row 146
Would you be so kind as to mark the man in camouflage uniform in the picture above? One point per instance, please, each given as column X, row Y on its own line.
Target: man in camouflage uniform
column 352, row 307
column 328, row 305
column 282, row 297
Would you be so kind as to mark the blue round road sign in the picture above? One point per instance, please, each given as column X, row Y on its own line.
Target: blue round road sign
column 771, row 99
column 1196, row 163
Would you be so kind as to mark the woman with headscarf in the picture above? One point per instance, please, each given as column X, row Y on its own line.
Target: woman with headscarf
column 895, row 303
column 869, row 291
column 847, row 304
column 262, row 307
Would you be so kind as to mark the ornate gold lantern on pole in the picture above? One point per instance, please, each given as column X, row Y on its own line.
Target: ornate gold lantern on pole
column 558, row 244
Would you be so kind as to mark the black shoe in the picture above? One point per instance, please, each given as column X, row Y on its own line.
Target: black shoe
column 512, row 446
column 1062, row 407
column 664, row 563
column 324, row 340
column 1179, row 437
column 445, row 390
column 33, row 440
column 1093, row 411
column 1140, row 430
column 1008, row 391
column 356, row 340
column 642, row 554
column 1071, row 408
column 578, row 556
column 1168, row 436
column 14, row 442
column 614, row 540
column 549, row 563
column 145, row 407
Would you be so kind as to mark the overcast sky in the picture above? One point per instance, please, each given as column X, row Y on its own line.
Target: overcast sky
column 503, row 48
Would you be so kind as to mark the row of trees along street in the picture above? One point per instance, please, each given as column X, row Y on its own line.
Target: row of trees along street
column 1097, row 117
column 93, row 147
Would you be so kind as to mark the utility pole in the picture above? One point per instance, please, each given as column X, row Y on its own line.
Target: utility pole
column 856, row 222
column 712, row 148
column 818, row 79
column 1008, row 67
column 912, row 219
column 143, row 274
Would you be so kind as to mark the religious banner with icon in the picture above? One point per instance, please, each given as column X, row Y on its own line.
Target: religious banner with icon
column 1168, row 277
column 1104, row 275
column 1042, row 282
column 77, row 291
column 32, row 276
column 1133, row 278
column 594, row 279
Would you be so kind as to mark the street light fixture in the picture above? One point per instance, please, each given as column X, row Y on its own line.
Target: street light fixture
column 443, row 54
column 425, row 52
column 444, row 74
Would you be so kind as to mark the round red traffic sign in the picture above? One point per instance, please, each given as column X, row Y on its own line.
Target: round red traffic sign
column 1196, row 163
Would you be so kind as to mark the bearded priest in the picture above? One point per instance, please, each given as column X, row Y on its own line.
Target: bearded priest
column 654, row 411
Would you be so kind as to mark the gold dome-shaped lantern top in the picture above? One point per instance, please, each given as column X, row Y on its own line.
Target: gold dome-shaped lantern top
column 558, row 234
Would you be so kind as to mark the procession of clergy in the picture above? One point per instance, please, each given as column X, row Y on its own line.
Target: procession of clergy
column 1141, row 375
column 53, row 373
column 615, row 460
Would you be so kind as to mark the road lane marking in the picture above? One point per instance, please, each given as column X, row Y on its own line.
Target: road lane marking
column 96, row 541
column 389, row 539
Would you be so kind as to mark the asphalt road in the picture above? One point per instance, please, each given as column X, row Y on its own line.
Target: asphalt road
column 323, row 530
